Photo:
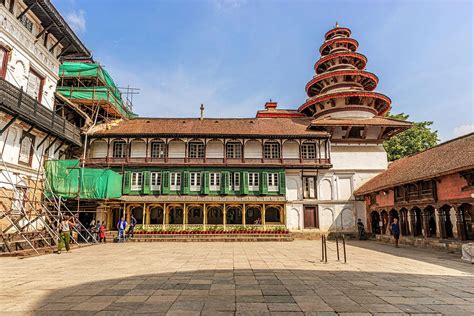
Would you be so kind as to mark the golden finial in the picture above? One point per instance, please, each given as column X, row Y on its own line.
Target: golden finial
column 337, row 24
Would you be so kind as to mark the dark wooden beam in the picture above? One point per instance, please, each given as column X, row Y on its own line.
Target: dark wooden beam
column 45, row 29
column 56, row 44
column 64, row 50
column 59, row 147
column 382, row 130
column 26, row 133
column 26, row 10
column 42, row 142
column 348, row 131
column 52, row 143
column 8, row 124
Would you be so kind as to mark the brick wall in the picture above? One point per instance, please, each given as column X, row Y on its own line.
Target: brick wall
column 451, row 186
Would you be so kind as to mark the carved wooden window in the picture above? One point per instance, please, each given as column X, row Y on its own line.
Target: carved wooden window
column 234, row 150
column 26, row 150
column 175, row 181
column 158, row 150
column 253, row 181
column 214, row 181
column 196, row 150
column 27, row 23
column 234, row 181
column 34, row 86
column 308, row 151
column 136, row 181
column 119, row 149
column 271, row 150
column 195, row 181
column 155, row 181
column 272, row 180
column 309, row 186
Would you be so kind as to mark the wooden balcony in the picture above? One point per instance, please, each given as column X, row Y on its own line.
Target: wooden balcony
column 135, row 161
column 21, row 106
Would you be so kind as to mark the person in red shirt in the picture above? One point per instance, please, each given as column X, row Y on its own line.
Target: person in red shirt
column 102, row 231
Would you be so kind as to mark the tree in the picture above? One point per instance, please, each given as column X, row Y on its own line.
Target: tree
column 411, row 141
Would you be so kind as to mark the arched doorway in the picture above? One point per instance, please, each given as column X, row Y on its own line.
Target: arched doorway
column 430, row 212
column 215, row 215
column 467, row 220
column 374, row 222
column 195, row 215
column 234, row 215
column 446, row 223
column 253, row 215
column 117, row 213
column 137, row 212
column 156, row 215
column 175, row 215
column 384, row 219
column 404, row 227
column 272, row 215
column 417, row 221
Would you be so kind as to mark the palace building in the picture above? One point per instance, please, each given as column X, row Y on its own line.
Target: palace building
column 293, row 167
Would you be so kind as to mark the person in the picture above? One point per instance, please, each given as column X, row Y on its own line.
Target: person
column 131, row 229
column 395, row 231
column 92, row 231
column 102, row 231
column 121, row 225
column 258, row 221
column 65, row 233
column 361, row 229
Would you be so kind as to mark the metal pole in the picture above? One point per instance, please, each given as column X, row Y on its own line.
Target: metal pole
column 337, row 247
column 322, row 248
column 344, row 247
column 325, row 250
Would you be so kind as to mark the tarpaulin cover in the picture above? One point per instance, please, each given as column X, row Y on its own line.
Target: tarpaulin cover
column 63, row 177
column 110, row 92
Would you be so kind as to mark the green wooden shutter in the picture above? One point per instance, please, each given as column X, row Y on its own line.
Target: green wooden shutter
column 126, row 182
column 165, row 182
column 263, row 183
column 282, row 183
column 146, row 182
column 244, row 182
column 225, row 182
column 185, row 183
column 205, row 183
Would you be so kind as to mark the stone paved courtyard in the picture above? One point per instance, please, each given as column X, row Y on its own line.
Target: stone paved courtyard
column 237, row 278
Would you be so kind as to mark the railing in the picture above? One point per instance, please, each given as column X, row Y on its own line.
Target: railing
column 16, row 102
column 209, row 161
column 208, row 227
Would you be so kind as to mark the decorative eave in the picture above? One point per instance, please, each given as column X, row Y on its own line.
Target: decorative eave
column 339, row 40
column 320, row 135
column 336, row 73
column 329, row 57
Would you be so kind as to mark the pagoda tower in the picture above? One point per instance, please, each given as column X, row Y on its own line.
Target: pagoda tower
column 341, row 88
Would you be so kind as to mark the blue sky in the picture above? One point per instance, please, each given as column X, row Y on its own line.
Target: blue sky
column 233, row 55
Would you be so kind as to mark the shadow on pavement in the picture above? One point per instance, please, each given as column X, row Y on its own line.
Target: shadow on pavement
column 263, row 292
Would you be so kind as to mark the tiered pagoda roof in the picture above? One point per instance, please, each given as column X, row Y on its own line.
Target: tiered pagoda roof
column 341, row 87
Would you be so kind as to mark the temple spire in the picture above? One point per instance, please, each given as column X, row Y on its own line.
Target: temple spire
column 337, row 24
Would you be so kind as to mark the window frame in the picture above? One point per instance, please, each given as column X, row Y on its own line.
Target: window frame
column 271, row 150
column 234, row 183
column 124, row 149
column 307, row 154
column 161, row 153
column 231, row 152
column 4, row 62
column 33, row 72
column 136, row 181
column 176, row 178
column 253, row 181
column 196, row 150
column 273, row 179
column 307, row 188
column 31, row 149
column 156, row 178
column 214, row 181
column 195, row 181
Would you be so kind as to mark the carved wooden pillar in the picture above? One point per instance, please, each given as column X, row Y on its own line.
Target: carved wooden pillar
column 411, row 214
column 224, row 215
column 263, row 215
column 442, row 223
column 185, row 215
column 204, row 213
column 244, row 214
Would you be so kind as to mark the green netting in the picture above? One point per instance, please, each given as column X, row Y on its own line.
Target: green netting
column 110, row 92
column 63, row 177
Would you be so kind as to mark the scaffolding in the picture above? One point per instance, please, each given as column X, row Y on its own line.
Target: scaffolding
column 33, row 213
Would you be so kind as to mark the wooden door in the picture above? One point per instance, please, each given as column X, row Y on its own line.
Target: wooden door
column 310, row 217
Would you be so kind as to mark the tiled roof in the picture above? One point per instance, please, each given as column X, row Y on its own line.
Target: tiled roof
column 449, row 157
column 374, row 121
column 282, row 127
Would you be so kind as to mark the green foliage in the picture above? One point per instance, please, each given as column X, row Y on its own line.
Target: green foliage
column 411, row 141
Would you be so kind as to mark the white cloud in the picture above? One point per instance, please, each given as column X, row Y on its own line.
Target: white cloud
column 77, row 21
column 463, row 130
